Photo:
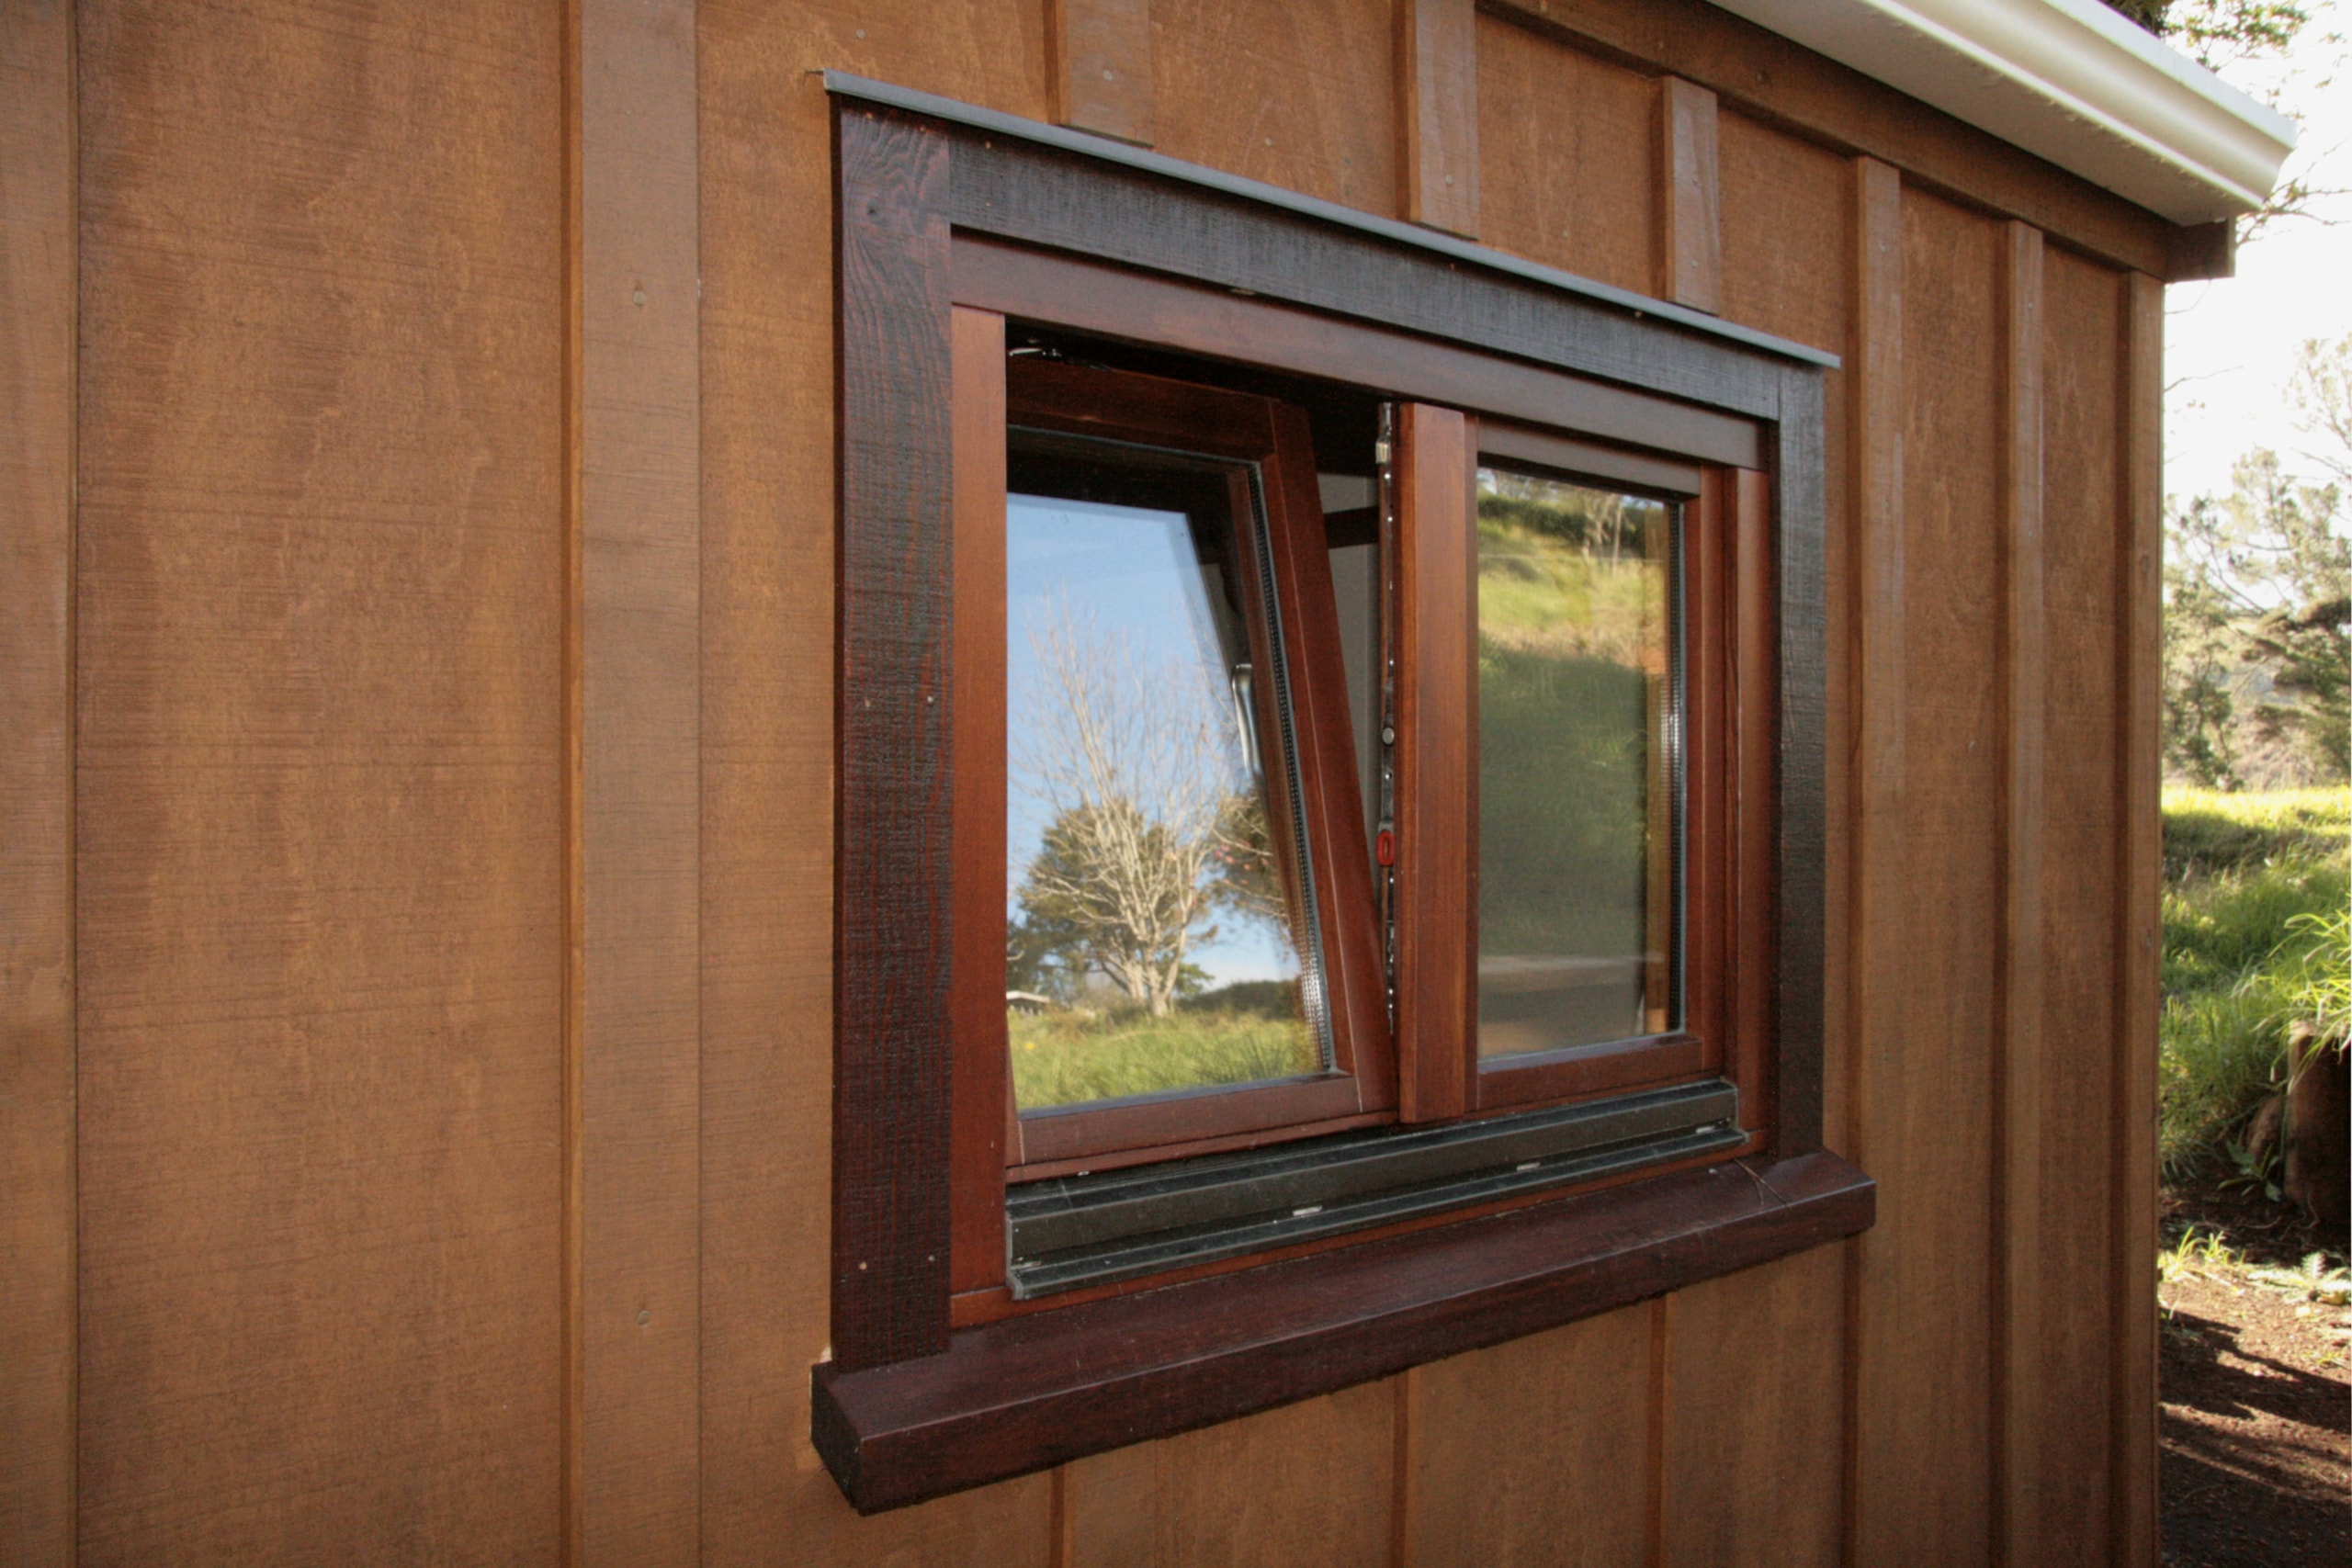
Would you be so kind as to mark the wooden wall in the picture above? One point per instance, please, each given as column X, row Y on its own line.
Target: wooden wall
column 415, row 910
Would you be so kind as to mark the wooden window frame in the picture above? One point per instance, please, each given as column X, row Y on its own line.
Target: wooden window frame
column 940, row 205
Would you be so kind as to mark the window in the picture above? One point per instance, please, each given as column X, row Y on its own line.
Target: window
column 1329, row 801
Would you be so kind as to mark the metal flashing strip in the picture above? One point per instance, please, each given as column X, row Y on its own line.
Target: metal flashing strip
column 1092, row 1230
column 996, row 123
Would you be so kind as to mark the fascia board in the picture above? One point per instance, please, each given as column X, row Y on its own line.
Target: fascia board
column 2068, row 80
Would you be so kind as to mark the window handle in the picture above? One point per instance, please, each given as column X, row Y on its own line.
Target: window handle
column 1245, row 715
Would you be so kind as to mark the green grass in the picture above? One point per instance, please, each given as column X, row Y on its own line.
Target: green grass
column 2207, row 831
column 1066, row 1058
column 2255, row 937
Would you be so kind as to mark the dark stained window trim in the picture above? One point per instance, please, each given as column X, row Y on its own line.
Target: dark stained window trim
column 906, row 1409
column 1026, row 1393
column 842, row 84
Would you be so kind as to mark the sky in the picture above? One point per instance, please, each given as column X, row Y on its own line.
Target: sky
column 1128, row 573
column 2231, row 344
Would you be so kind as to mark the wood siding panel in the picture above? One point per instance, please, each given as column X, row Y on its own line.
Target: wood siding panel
column 1309, row 1483
column 1568, row 148
column 1754, row 1418
column 1775, row 79
column 321, row 580
column 2081, row 889
column 37, row 362
column 1924, row 1449
column 1534, row 1454
column 1301, row 95
column 636, row 1165
column 767, row 852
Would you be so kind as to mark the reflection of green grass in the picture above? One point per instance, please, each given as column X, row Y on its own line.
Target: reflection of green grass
column 1539, row 594
column 1066, row 1058
column 1570, row 630
column 1561, row 819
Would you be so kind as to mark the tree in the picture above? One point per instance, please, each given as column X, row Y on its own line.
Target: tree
column 1153, row 820
column 2258, row 594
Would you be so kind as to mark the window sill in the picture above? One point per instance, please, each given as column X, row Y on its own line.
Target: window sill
column 1020, row 1395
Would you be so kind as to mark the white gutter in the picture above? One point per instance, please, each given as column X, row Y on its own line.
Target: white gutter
column 2069, row 80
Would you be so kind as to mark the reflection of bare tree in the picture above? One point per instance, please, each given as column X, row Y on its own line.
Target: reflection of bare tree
column 1138, row 767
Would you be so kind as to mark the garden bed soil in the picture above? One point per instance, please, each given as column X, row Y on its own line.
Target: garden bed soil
column 2256, row 1388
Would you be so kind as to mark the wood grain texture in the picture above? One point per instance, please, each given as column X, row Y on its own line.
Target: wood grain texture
column 320, row 613
column 978, row 1100
column 1019, row 191
column 1926, row 1494
column 1301, row 95
column 768, row 658
column 1027, row 1393
column 1437, row 114
column 2133, row 1342
column 1323, row 1486
column 1877, row 904
column 892, row 1030
column 36, row 408
column 1532, row 1454
column 1556, row 131
column 2019, row 1074
column 2084, row 815
column 1790, row 505
column 636, row 1007
column 1040, row 286
column 1437, row 728
column 1753, row 1413
column 1788, row 225
column 1098, row 56
column 1773, row 79
column 1774, row 705
column 1689, row 201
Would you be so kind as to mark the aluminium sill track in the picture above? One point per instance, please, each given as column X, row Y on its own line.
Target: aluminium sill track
column 1091, row 1230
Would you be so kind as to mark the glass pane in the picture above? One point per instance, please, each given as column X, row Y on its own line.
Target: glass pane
column 1575, row 797
column 1157, row 933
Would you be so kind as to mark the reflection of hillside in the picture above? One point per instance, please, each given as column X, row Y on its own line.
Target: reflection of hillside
column 1550, row 588
column 1560, row 731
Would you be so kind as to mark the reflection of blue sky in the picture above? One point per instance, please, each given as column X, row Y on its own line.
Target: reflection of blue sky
column 1133, row 574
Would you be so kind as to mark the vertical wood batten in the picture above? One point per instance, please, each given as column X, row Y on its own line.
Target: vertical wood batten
column 2018, row 1073
column 1878, row 792
column 37, row 1101
column 1690, row 205
column 636, row 1164
column 2132, row 1287
column 891, row 958
column 1437, row 113
column 1097, row 58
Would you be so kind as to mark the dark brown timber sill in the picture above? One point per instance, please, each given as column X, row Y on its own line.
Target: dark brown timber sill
column 1021, row 1395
